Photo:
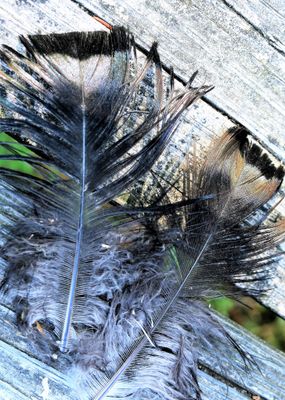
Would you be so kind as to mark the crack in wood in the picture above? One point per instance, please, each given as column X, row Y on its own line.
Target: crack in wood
column 273, row 41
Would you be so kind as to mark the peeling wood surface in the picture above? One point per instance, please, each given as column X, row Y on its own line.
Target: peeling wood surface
column 236, row 46
column 19, row 17
column 266, row 16
column 248, row 73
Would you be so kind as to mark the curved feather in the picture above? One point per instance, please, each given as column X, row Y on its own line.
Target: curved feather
column 214, row 251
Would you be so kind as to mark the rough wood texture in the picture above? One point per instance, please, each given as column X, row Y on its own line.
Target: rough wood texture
column 41, row 16
column 265, row 16
column 235, row 46
column 248, row 73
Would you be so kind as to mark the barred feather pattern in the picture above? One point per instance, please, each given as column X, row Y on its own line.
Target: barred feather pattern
column 105, row 281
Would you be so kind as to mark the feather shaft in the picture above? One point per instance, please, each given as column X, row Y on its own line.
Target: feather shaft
column 73, row 285
column 144, row 341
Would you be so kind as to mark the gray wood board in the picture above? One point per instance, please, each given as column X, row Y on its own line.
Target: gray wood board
column 220, row 377
column 266, row 16
column 248, row 73
column 21, row 372
column 20, row 17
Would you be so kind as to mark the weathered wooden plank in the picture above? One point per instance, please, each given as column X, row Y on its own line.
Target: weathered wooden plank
column 30, row 377
column 218, row 390
column 32, row 16
column 268, row 17
column 7, row 392
column 211, row 390
column 268, row 379
column 275, row 299
column 27, row 375
column 248, row 73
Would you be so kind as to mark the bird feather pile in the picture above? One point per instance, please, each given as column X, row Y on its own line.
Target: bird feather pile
column 101, row 274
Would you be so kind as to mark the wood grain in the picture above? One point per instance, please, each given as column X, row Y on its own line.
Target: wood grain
column 266, row 16
column 248, row 73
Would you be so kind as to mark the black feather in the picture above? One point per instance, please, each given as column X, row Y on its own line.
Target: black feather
column 94, row 267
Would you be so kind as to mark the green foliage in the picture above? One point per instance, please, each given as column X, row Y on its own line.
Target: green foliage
column 10, row 147
column 255, row 318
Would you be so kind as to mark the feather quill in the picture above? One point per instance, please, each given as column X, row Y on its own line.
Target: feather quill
column 95, row 269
